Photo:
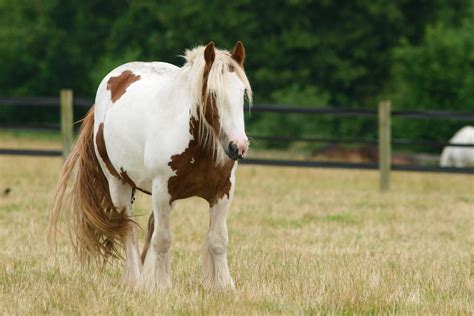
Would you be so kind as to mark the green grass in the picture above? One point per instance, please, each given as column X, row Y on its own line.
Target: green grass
column 30, row 139
column 302, row 241
column 30, row 135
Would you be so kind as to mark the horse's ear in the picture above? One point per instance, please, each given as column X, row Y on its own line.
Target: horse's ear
column 238, row 53
column 209, row 53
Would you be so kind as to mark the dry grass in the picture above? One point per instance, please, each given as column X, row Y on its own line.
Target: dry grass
column 301, row 241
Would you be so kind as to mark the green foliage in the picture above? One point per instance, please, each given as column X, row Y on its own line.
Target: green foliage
column 300, row 52
column 436, row 74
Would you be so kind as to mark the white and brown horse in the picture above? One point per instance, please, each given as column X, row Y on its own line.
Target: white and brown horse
column 459, row 157
column 167, row 131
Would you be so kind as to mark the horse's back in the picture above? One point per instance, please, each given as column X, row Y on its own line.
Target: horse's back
column 131, row 83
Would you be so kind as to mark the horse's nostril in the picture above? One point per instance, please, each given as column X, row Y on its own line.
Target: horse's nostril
column 233, row 148
column 233, row 151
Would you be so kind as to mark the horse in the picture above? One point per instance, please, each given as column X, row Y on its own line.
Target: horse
column 169, row 132
column 365, row 153
column 459, row 157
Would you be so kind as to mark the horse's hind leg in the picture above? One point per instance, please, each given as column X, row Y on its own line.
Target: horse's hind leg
column 121, row 195
column 155, row 274
column 216, row 270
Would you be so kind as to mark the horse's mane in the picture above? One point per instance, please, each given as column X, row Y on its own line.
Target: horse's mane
column 194, row 70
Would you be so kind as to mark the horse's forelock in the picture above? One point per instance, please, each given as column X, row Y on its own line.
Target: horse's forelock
column 212, row 78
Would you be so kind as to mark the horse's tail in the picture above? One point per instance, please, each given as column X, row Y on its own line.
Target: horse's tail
column 96, row 227
column 151, row 228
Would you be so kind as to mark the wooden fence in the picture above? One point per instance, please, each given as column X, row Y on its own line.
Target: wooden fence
column 67, row 103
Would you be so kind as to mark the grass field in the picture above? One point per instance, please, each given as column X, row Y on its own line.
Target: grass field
column 301, row 241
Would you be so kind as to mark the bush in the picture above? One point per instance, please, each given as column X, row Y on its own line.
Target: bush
column 437, row 74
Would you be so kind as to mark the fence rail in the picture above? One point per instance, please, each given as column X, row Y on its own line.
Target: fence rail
column 346, row 165
column 31, row 152
column 86, row 102
column 459, row 116
column 83, row 102
column 407, row 142
column 356, row 141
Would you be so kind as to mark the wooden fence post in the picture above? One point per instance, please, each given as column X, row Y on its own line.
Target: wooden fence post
column 385, row 145
column 66, row 103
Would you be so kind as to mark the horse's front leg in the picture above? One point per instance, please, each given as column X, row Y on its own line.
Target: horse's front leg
column 155, row 273
column 216, row 270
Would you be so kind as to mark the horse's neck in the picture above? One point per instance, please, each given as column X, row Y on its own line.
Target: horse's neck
column 171, row 107
column 183, row 106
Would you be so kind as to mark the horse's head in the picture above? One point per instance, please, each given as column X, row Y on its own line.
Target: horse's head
column 224, row 86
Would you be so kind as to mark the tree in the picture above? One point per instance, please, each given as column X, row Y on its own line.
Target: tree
column 436, row 74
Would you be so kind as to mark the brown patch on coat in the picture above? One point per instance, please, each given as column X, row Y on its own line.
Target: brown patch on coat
column 100, row 142
column 197, row 174
column 118, row 85
column 211, row 115
column 127, row 179
column 123, row 176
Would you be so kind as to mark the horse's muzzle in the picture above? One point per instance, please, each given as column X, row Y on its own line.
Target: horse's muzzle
column 233, row 152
